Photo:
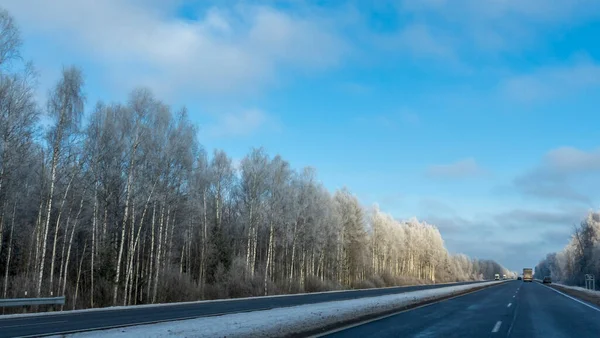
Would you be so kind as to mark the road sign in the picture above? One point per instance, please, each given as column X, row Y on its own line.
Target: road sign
column 590, row 282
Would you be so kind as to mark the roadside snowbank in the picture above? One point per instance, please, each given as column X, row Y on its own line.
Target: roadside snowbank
column 577, row 288
column 282, row 321
column 134, row 307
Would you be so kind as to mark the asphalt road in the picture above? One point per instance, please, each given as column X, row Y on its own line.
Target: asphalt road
column 49, row 324
column 513, row 309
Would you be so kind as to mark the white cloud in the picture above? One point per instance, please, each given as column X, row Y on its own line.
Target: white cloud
column 572, row 160
column 239, row 48
column 469, row 30
column 509, row 11
column 466, row 168
column 564, row 173
column 421, row 41
column 243, row 123
column 551, row 82
column 520, row 217
column 402, row 119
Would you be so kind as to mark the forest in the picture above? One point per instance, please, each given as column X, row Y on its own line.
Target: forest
column 117, row 203
column 579, row 257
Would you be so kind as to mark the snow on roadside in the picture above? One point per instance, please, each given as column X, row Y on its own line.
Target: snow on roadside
column 134, row 307
column 281, row 321
column 577, row 288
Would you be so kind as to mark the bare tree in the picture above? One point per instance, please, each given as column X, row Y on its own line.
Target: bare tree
column 130, row 209
column 65, row 106
column 10, row 38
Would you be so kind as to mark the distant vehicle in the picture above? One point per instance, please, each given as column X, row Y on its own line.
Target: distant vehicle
column 528, row 275
column 547, row 280
column 503, row 276
column 519, row 278
column 497, row 277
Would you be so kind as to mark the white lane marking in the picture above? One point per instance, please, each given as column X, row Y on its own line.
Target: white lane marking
column 575, row 299
column 509, row 305
column 364, row 322
column 514, row 296
column 497, row 326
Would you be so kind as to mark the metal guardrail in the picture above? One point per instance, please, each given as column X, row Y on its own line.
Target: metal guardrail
column 31, row 301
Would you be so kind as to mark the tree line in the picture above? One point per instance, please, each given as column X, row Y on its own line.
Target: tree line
column 579, row 257
column 119, row 204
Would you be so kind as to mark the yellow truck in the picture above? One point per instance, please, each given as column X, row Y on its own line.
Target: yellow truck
column 527, row 275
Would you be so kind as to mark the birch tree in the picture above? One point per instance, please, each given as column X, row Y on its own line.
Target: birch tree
column 10, row 39
column 129, row 208
column 65, row 107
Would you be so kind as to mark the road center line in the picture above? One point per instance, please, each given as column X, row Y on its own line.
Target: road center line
column 509, row 304
column 497, row 326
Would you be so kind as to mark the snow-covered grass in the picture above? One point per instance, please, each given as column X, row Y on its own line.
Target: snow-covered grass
column 284, row 321
column 577, row 288
column 112, row 308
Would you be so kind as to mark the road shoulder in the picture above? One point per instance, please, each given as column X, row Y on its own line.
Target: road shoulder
column 365, row 319
column 289, row 321
column 590, row 297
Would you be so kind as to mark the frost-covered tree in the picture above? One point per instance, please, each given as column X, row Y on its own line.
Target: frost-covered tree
column 121, row 204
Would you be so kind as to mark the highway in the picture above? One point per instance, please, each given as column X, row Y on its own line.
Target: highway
column 513, row 309
column 49, row 324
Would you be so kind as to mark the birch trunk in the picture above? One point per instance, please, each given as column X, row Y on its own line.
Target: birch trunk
column 291, row 279
column 163, row 252
column 93, row 253
column 62, row 252
column 55, row 155
column 9, row 253
column 56, row 229
column 269, row 254
column 38, row 239
column 152, row 246
column 125, row 218
column 135, row 238
column 71, row 244
column 129, row 255
column 249, row 245
column 2, row 226
column 182, row 257
column 30, row 251
column 170, row 243
column 302, row 268
column 137, row 275
column 201, row 277
column 254, row 251
column 157, row 263
column 78, row 277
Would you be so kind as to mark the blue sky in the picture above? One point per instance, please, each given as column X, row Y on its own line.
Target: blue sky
column 478, row 116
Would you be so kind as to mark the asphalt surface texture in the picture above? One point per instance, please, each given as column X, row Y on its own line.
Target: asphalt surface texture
column 60, row 323
column 513, row 309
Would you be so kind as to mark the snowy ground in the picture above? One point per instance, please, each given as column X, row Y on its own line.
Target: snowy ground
column 577, row 288
column 282, row 321
column 112, row 308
